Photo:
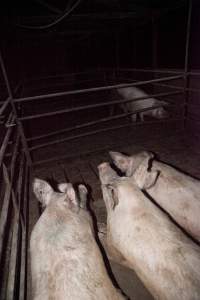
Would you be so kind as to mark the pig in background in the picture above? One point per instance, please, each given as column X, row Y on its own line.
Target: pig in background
column 134, row 92
column 165, row 259
column 176, row 192
column 66, row 262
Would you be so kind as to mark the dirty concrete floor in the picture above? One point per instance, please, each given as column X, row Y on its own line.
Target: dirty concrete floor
column 172, row 149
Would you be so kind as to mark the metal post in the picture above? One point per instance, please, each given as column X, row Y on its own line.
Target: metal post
column 187, row 43
column 20, row 127
column 154, row 44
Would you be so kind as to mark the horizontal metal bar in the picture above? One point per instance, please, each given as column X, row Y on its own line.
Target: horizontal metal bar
column 8, row 98
column 193, row 73
column 96, row 89
column 63, row 75
column 151, row 71
column 90, row 133
column 102, row 120
column 102, row 104
column 106, row 129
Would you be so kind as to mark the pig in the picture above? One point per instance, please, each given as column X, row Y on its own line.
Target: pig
column 165, row 259
column 134, row 92
column 66, row 262
column 176, row 192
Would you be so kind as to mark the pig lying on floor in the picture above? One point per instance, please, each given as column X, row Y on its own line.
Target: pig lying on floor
column 66, row 262
column 165, row 259
column 134, row 92
column 174, row 191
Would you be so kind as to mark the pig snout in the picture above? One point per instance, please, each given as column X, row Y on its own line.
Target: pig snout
column 160, row 113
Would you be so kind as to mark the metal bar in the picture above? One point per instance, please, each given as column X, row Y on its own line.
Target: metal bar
column 89, row 133
column 4, row 212
column 5, row 142
column 151, row 71
column 7, row 99
column 4, row 106
column 104, row 88
column 194, row 73
column 187, row 43
column 20, row 127
column 83, row 107
column 111, row 128
column 61, row 84
column 102, row 120
column 61, row 75
column 24, row 248
column 14, row 200
column 14, row 156
column 49, row 6
column 14, row 257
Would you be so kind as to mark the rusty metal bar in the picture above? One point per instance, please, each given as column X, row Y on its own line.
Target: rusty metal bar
column 20, row 127
column 89, row 133
column 83, row 107
column 96, row 89
column 102, row 120
column 106, row 129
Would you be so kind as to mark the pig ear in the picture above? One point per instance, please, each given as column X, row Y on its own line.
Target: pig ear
column 120, row 160
column 145, row 179
column 150, row 179
column 63, row 187
column 42, row 190
column 83, row 195
column 71, row 195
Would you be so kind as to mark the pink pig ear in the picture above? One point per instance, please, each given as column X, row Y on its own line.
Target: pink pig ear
column 63, row 187
column 145, row 178
column 42, row 190
column 120, row 160
column 71, row 196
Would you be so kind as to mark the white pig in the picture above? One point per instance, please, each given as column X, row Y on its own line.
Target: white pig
column 134, row 92
column 66, row 262
column 174, row 191
column 165, row 259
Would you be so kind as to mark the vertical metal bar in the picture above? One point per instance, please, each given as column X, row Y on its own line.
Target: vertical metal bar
column 4, row 211
column 24, row 248
column 5, row 142
column 14, row 256
column 154, row 44
column 117, row 56
column 20, row 127
column 186, row 64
